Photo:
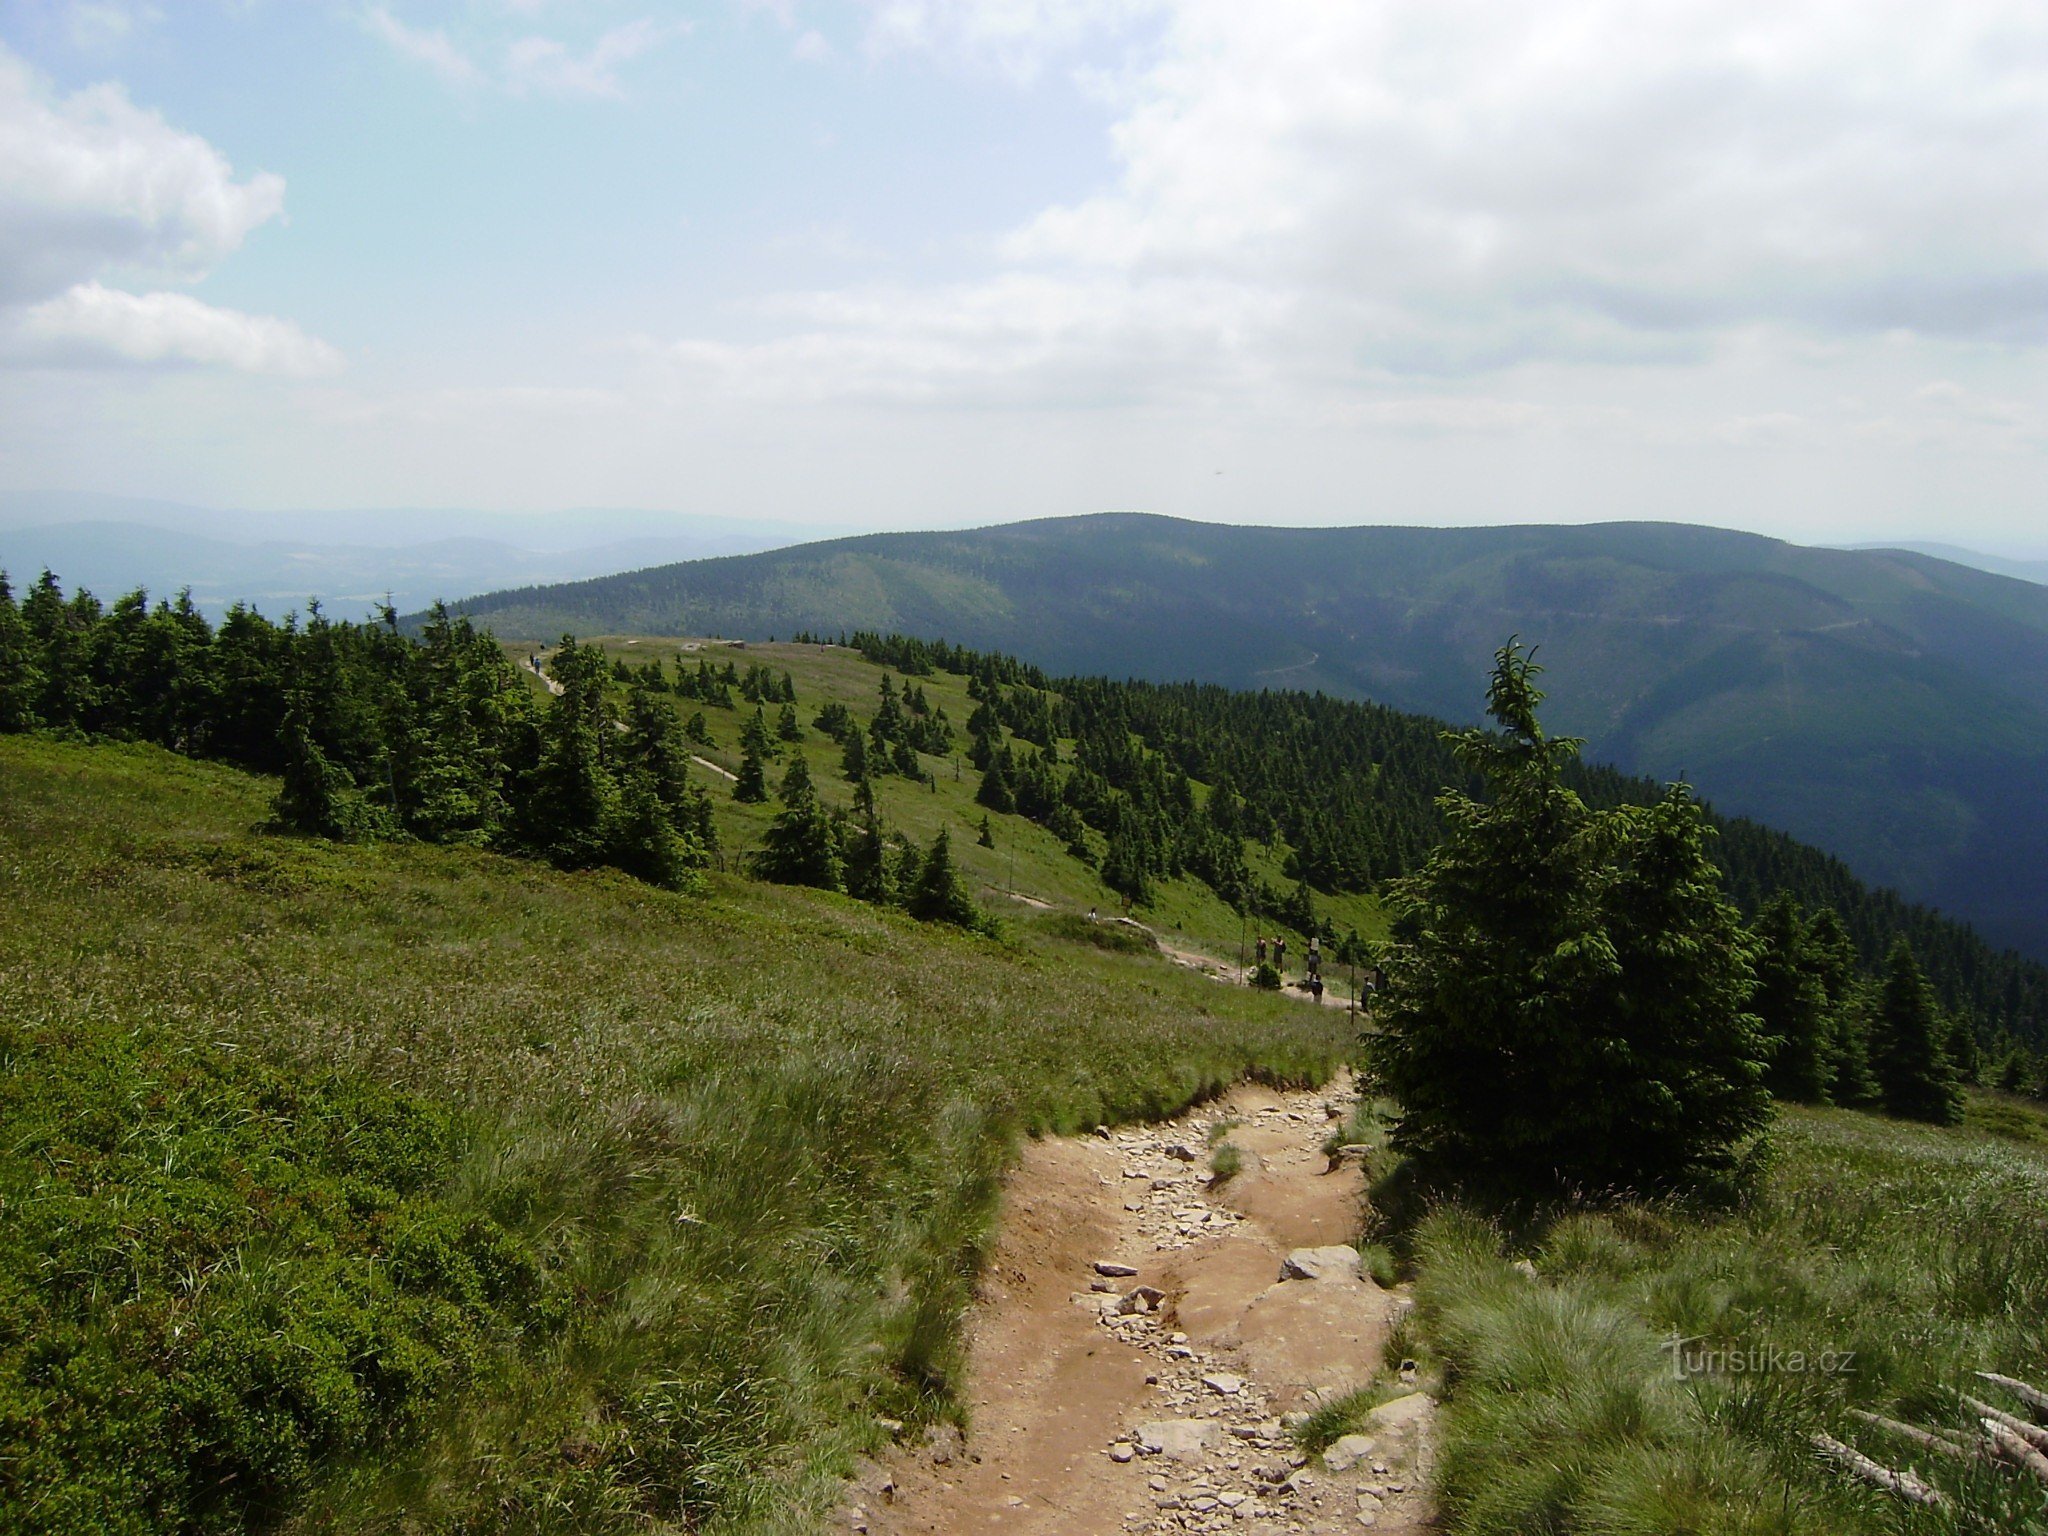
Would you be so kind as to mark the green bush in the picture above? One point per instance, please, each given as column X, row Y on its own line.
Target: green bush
column 246, row 1275
column 1116, row 937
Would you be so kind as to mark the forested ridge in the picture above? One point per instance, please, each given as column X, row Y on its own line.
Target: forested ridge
column 377, row 733
column 1352, row 788
column 1882, row 705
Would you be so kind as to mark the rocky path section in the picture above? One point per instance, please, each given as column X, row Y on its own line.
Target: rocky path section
column 1147, row 1340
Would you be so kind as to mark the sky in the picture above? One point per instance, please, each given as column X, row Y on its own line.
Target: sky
column 919, row 263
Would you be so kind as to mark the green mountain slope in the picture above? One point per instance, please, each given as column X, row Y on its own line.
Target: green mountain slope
column 1888, row 706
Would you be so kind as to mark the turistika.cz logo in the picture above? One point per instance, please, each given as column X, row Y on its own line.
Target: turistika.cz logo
column 1696, row 1357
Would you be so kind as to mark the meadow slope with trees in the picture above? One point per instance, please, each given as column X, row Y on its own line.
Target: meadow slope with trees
column 1881, row 704
column 565, row 1087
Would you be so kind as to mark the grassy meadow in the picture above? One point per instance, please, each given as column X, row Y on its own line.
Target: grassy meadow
column 403, row 1188
column 1878, row 1265
column 1028, row 864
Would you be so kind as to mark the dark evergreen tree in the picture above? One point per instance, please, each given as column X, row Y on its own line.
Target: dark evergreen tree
column 646, row 842
column 802, row 843
column 1915, row 1078
column 995, row 791
column 21, row 673
column 938, row 895
column 1680, row 1057
column 1123, row 865
column 787, row 726
column 1791, row 1001
column 1965, row 1050
column 754, row 738
column 853, row 760
column 571, row 805
column 751, row 786
column 1535, row 1032
column 867, row 863
column 317, row 795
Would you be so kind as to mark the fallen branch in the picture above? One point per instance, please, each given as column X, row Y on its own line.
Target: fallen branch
column 1904, row 1484
column 2017, row 1449
column 2033, row 1397
column 1934, row 1440
column 2033, row 1434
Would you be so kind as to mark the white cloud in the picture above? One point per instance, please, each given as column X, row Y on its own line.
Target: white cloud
column 1018, row 339
column 94, row 324
column 98, row 24
column 91, row 181
column 540, row 64
column 1337, row 196
column 1541, row 174
column 531, row 65
column 1016, row 37
column 430, row 47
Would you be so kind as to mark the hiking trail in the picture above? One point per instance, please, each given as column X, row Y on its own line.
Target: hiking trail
column 1135, row 1346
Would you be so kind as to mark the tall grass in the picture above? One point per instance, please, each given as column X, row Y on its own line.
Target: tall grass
column 696, row 1199
column 1883, row 1263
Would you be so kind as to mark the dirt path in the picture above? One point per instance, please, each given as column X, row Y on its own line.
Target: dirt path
column 1153, row 1401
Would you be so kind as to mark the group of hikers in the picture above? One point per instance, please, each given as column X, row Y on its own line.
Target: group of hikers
column 1312, row 967
column 1370, row 980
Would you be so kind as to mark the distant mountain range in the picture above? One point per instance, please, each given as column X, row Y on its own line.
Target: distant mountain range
column 2025, row 568
column 350, row 560
column 1889, row 706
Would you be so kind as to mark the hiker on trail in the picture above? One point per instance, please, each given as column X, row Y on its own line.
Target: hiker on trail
column 1315, row 955
column 1279, row 952
column 1091, row 914
column 1261, row 949
column 1315, row 988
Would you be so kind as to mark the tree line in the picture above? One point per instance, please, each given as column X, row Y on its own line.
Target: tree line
column 434, row 735
column 1351, row 792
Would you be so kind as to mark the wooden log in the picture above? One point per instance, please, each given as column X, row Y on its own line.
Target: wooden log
column 2033, row 1397
column 2016, row 1449
column 2033, row 1434
column 1904, row 1484
column 1934, row 1440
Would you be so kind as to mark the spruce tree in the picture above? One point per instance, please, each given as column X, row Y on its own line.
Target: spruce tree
column 646, row 842
column 994, row 791
column 1915, row 1078
column 1683, row 1058
column 987, row 835
column 317, row 795
column 754, row 738
column 802, row 844
column 21, row 675
column 938, row 895
column 569, row 806
column 787, row 726
column 1123, row 865
column 1792, row 1004
column 1547, row 1023
column 751, row 786
column 867, row 863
